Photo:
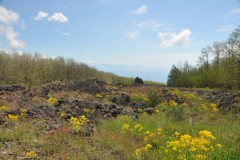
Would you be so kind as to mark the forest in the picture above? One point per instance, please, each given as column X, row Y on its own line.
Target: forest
column 33, row 69
column 218, row 66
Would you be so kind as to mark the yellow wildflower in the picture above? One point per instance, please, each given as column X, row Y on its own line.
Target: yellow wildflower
column 62, row 114
column 31, row 154
column 23, row 112
column 126, row 126
column 12, row 117
column 219, row 145
column 3, row 108
column 200, row 157
column 172, row 103
column 138, row 127
column 176, row 134
column 206, row 134
column 156, row 111
column 99, row 95
column 52, row 100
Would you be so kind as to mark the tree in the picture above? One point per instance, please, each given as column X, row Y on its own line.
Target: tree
column 173, row 76
column 218, row 66
column 138, row 80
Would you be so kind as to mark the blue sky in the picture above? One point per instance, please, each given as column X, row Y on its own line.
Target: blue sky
column 130, row 38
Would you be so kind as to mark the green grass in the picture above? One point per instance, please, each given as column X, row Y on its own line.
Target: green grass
column 225, row 128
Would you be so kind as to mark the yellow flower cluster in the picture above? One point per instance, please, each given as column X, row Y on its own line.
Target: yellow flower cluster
column 99, row 95
column 199, row 157
column 140, row 110
column 88, row 110
column 63, row 114
column 214, row 107
column 3, row 108
column 185, row 144
column 52, row 100
column 31, row 154
column 149, row 135
column 172, row 103
column 138, row 127
column 143, row 150
column 13, row 117
column 78, row 122
column 126, row 127
column 206, row 134
column 23, row 112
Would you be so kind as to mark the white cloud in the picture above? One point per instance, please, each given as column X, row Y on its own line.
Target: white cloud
column 131, row 35
column 8, row 16
column 233, row 12
column 11, row 37
column 65, row 34
column 41, row 15
column 152, row 25
column 169, row 39
column 7, row 19
column 58, row 17
column 226, row 28
column 140, row 10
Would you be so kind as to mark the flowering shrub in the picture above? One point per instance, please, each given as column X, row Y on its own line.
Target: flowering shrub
column 23, row 112
column 12, row 117
column 31, row 154
column 186, row 146
column 3, row 108
column 126, row 128
column 139, row 152
column 88, row 110
column 52, row 100
column 99, row 95
column 214, row 107
column 77, row 123
column 172, row 103
column 138, row 127
column 63, row 114
column 176, row 146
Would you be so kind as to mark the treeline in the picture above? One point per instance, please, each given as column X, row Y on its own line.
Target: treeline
column 34, row 69
column 218, row 66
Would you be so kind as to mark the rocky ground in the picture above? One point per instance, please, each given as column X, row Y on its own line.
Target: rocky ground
column 107, row 101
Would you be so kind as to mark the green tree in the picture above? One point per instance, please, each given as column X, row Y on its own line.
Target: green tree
column 173, row 76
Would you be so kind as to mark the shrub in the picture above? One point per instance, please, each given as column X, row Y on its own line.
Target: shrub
column 154, row 98
column 176, row 113
column 138, row 80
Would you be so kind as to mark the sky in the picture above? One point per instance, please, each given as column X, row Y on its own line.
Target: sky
column 127, row 37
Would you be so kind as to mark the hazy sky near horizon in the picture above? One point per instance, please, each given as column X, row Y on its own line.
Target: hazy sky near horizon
column 130, row 38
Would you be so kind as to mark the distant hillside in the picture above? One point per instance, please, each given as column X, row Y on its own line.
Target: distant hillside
column 28, row 69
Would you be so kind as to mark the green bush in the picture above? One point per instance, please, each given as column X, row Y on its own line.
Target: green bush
column 176, row 113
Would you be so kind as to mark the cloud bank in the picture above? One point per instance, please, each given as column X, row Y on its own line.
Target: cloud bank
column 169, row 39
column 7, row 20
